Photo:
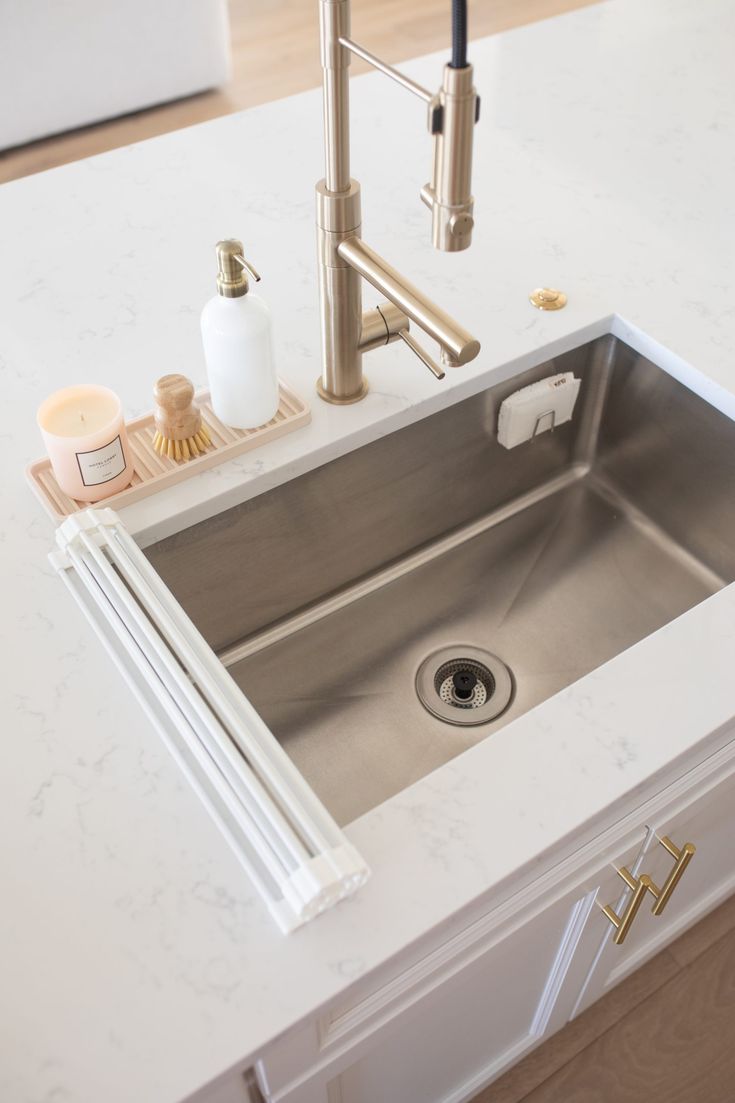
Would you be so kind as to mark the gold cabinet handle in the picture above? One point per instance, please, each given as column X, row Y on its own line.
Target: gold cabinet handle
column 623, row 923
column 682, row 858
column 644, row 884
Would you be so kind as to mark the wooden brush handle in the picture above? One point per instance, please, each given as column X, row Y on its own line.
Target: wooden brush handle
column 176, row 414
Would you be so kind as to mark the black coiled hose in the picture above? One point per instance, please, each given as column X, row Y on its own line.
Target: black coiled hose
column 459, row 34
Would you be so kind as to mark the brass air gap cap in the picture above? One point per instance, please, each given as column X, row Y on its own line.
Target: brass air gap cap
column 547, row 298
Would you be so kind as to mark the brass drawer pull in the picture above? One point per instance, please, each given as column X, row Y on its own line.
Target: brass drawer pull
column 644, row 884
column 682, row 859
column 623, row 923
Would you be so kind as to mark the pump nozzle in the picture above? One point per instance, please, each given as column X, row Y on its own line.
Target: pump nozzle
column 232, row 282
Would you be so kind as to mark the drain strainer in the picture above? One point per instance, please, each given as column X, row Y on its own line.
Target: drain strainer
column 464, row 685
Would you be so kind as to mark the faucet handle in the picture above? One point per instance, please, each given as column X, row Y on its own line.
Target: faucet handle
column 422, row 354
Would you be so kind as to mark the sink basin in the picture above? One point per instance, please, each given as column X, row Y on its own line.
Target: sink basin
column 338, row 598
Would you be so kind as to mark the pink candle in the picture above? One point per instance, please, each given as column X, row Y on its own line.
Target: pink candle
column 84, row 433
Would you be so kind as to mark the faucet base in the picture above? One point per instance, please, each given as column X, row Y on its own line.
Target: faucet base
column 340, row 400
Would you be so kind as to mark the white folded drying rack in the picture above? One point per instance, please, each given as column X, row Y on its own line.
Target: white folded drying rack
column 296, row 855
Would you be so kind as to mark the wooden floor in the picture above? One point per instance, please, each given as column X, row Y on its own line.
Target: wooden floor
column 393, row 30
column 665, row 1035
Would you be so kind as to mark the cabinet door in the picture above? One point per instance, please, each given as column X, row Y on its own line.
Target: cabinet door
column 481, row 1014
column 708, row 823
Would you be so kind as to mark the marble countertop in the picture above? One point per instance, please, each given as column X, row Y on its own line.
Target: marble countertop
column 136, row 961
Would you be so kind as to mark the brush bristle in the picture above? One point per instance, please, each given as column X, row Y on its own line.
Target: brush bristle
column 182, row 450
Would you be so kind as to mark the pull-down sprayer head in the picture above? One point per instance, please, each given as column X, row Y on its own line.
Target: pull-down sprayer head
column 452, row 116
column 449, row 195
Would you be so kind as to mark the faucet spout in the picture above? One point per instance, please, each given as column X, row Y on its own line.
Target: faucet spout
column 458, row 346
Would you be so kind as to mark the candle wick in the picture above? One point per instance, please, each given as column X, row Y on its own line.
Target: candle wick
column 81, row 415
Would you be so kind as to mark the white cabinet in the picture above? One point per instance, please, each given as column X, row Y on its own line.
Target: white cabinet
column 124, row 51
column 451, row 1018
column 237, row 1087
column 454, row 1019
column 484, row 1017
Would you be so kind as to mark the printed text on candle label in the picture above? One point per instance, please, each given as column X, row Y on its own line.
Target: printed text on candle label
column 102, row 464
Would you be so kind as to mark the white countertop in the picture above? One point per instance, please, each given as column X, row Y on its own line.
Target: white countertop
column 136, row 962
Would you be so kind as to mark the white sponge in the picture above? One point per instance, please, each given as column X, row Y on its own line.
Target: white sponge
column 536, row 408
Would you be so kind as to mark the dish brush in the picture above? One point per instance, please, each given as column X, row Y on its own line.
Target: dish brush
column 180, row 432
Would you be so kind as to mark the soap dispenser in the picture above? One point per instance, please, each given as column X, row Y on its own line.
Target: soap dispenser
column 236, row 333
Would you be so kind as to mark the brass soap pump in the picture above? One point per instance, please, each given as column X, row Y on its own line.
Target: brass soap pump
column 238, row 346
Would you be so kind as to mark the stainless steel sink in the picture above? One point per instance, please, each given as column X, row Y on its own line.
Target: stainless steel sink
column 428, row 550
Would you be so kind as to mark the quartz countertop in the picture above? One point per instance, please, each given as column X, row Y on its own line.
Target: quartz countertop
column 136, row 960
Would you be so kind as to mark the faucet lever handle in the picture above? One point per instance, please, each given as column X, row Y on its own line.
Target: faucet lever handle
column 422, row 354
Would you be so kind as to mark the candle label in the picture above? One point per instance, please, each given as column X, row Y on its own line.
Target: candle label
column 102, row 464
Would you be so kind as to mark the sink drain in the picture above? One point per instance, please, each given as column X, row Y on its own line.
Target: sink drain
column 464, row 685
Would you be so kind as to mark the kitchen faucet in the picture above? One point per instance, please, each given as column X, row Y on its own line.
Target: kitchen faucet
column 344, row 258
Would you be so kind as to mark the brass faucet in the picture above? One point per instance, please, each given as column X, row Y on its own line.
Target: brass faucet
column 344, row 258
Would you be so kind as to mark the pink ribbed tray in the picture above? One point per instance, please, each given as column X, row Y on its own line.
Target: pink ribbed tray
column 154, row 472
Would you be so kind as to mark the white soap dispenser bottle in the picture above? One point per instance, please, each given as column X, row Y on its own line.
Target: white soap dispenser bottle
column 236, row 333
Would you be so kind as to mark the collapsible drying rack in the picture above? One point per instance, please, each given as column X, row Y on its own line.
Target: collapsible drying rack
column 296, row 855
